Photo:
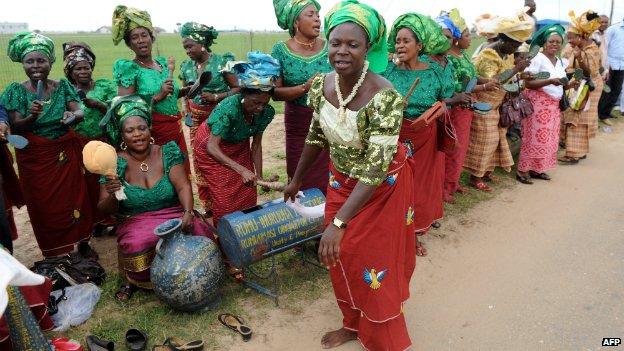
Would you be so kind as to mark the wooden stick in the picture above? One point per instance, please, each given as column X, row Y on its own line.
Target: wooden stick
column 277, row 186
column 410, row 92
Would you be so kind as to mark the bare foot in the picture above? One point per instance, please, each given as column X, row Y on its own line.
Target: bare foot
column 337, row 337
column 420, row 249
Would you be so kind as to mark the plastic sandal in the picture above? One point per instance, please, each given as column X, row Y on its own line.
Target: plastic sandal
column 181, row 345
column 236, row 324
column 136, row 340
column 480, row 185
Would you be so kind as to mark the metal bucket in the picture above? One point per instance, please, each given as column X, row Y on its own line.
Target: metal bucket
column 251, row 235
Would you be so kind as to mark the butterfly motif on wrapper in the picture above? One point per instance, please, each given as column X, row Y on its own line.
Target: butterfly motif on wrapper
column 374, row 278
column 333, row 182
column 391, row 179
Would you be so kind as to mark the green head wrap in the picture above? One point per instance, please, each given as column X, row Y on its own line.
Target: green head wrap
column 428, row 32
column 540, row 37
column 126, row 19
column 199, row 32
column 367, row 18
column 123, row 107
column 287, row 12
column 24, row 43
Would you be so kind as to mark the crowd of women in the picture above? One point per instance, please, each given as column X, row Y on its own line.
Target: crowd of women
column 375, row 108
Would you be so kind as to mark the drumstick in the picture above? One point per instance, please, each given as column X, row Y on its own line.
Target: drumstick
column 277, row 186
column 410, row 92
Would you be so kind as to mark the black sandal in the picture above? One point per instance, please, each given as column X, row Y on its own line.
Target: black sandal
column 524, row 180
column 236, row 324
column 567, row 160
column 125, row 292
column 542, row 176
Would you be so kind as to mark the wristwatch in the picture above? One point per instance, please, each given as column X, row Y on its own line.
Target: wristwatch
column 339, row 223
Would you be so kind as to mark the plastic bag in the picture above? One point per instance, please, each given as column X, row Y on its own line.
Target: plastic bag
column 76, row 307
column 312, row 212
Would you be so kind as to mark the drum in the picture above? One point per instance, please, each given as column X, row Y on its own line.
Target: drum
column 251, row 235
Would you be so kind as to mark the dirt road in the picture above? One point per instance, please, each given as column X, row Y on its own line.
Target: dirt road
column 540, row 267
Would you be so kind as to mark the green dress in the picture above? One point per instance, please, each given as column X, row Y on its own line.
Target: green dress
column 464, row 70
column 161, row 195
column 297, row 69
column 216, row 63
column 104, row 90
column 17, row 98
column 363, row 144
column 147, row 82
column 228, row 122
column 447, row 76
column 427, row 92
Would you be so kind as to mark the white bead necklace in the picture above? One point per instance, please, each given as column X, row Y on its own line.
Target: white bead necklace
column 342, row 103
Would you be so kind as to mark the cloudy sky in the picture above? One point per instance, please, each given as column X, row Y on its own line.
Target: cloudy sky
column 86, row 15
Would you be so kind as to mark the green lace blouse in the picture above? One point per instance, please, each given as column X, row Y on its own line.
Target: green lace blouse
column 363, row 144
column 464, row 70
column 297, row 69
column 216, row 63
column 161, row 195
column 446, row 74
column 427, row 92
column 228, row 122
column 104, row 90
column 17, row 98
column 147, row 82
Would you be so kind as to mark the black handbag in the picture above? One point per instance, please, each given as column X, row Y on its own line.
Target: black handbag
column 564, row 102
column 514, row 109
column 70, row 269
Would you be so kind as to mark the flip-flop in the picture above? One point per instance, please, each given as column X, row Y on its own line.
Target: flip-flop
column 236, row 324
column 181, row 345
column 136, row 340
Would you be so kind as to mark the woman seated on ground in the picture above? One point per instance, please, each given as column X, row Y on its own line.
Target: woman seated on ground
column 224, row 160
column 155, row 184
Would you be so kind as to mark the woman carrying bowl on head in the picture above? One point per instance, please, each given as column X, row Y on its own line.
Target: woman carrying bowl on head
column 50, row 167
column 78, row 64
column 156, row 187
column 301, row 57
column 147, row 76
column 224, row 159
column 357, row 116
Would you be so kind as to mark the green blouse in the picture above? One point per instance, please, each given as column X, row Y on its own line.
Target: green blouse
column 17, row 97
column 464, row 70
column 228, row 122
column 216, row 63
column 363, row 144
column 147, row 82
column 446, row 74
column 161, row 195
column 297, row 69
column 427, row 92
column 104, row 90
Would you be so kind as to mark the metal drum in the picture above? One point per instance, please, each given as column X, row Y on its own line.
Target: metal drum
column 251, row 235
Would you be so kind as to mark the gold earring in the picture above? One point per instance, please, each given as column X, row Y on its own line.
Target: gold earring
column 152, row 141
column 123, row 146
